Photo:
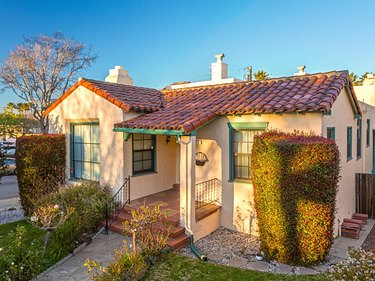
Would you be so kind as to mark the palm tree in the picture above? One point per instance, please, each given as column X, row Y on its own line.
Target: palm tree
column 363, row 77
column 354, row 78
column 261, row 75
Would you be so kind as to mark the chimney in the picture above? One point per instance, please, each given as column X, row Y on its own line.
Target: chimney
column 119, row 75
column 301, row 70
column 219, row 69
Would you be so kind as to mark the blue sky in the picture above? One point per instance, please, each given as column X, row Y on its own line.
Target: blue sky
column 161, row 42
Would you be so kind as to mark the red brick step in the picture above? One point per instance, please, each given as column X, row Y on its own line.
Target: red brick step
column 362, row 217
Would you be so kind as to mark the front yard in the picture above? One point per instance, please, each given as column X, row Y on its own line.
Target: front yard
column 178, row 267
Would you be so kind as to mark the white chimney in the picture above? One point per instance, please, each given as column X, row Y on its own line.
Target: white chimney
column 219, row 69
column 301, row 70
column 119, row 75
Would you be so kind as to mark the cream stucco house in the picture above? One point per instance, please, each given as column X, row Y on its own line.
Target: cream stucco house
column 196, row 138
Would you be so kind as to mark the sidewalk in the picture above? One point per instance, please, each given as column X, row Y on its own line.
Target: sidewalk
column 101, row 250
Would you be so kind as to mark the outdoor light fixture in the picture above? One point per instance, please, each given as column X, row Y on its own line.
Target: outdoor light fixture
column 168, row 139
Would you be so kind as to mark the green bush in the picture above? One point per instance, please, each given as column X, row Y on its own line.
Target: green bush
column 40, row 161
column 295, row 180
column 88, row 200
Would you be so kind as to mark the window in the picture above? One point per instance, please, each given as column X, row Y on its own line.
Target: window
column 242, row 145
column 143, row 153
column 359, row 138
column 349, row 133
column 86, row 151
column 368, row 127
column 331, row 133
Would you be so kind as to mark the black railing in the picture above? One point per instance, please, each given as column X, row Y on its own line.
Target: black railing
column 207, row 192
column 117, row 203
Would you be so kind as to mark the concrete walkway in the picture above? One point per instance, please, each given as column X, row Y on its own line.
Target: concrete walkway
column 101, row 250
column 8, row 187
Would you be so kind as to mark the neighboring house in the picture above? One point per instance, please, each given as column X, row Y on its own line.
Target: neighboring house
column 115, row 129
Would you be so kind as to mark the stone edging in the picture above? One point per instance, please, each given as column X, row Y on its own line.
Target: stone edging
column 68, row 257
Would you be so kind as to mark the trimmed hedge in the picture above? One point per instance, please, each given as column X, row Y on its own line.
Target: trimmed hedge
column 40, row 161
column 295, row 179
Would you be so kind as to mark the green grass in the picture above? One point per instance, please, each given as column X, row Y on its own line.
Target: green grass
column 178, row 267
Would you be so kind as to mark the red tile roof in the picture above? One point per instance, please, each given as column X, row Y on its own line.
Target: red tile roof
column 187, row 109
column 124, row 96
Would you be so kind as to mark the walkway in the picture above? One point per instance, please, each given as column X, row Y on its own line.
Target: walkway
column 101, row 250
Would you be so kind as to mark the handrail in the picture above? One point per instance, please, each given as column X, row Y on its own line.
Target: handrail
column 117, row 203
column 208, row 192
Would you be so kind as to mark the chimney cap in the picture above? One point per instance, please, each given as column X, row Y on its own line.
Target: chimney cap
column 219, row 57
column 119, row 67
column 301, row 70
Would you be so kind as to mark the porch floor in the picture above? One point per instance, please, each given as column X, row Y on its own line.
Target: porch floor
column 169, row 201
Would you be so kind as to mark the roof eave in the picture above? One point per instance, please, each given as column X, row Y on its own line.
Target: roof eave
column 151, row 131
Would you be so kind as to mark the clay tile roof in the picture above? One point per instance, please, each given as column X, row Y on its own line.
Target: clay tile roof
column 124, row 96
column 186, row 109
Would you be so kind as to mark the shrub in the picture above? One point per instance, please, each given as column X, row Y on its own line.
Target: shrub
column 40, row 161
column 295, row 180
column 88, row 201
column 359, row 266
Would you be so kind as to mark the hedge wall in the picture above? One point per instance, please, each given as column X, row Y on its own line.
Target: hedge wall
column 40, row 161
column 295, row 179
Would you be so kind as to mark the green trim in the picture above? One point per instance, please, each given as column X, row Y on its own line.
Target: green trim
column 328, row 113
column 349, row 143
column 357, row 116
column 356, row 109
column 359, row 138
column 248, row 125
column 368, row 128
column 231, row 177
column 127, row 136
column 151, row 132
column 333, row 132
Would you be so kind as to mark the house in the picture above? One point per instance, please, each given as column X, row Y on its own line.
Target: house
column 193, row 140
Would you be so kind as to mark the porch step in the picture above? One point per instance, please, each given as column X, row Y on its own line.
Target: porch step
column 359, row 222
column 362, row 217
column 174, row 221
column 350, row 230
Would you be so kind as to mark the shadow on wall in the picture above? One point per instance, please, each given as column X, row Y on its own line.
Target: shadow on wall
column 245, row 218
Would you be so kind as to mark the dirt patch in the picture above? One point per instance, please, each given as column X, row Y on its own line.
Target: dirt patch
column 369, row 243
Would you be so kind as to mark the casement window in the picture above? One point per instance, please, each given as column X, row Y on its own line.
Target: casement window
column 368, row 128
column 359, row 138
column 349, row 135
column 241, row 144
column 144, row 153
column 85, row 151
column 331, row 133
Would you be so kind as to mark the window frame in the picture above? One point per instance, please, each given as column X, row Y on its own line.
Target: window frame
column 368, row 132
column 349, row 143
column 153, row 155
column 333, row 129
column 359, row 138
column 72, row 160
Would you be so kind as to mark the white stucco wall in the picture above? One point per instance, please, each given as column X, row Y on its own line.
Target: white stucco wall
column 82, row 106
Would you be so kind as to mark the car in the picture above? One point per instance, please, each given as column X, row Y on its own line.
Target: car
column 11, row 168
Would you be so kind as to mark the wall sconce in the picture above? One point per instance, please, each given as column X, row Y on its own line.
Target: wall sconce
column 199, row 141
column 168, row 139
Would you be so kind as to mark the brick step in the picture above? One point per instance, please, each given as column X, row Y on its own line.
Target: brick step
column 350, row 230
column 174, row 231
column 170, row 220
column 362, row 217
column 354, row 221
column 176, row 243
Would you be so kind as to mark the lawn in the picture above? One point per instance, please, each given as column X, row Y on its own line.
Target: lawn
column 178, row 267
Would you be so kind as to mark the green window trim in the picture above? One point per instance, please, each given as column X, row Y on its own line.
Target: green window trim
column 359, row 138
column 349, row 147
column 256, row 126
column 153, row 150
column 368, row 132
column 331, row 133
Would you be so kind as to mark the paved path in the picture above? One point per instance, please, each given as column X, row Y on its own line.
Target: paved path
column 101, row 250
column 8, row 187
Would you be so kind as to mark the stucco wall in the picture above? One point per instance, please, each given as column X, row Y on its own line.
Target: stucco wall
column 146, row 184
column 237, row 199
column 81, row 106
column 368, row 114
column 365, row 93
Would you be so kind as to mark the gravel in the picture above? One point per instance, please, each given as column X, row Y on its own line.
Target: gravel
column 369, row 243
column 11, row 214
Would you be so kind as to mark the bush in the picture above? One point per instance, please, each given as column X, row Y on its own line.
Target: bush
column 88, row 200
column 295, row 180
column 359, row 266
column 40, row 161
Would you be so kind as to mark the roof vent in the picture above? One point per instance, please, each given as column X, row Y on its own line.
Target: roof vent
column 219, row 69
column 301, row 70
column 119, row 75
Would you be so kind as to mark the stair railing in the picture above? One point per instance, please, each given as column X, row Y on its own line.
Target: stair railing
column 117, row 203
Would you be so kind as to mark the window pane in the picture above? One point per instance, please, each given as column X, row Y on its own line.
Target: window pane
column 86, row 133
column 137, row 166
column 95, row 149
column 77, row 151
column 137, row 137
column 96, row 172
column 86, row 152
column 147, row 165
column 147, row 144
column 137, row 156
column 138, row 145
column 95, row 134
column 86, row 172
column 147, row 137
column 78, row 169
column 77, row 133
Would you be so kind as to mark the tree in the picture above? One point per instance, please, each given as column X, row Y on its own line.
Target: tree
column 3, row 165
column 261, row 75
column 42, row 68
column 354, row 78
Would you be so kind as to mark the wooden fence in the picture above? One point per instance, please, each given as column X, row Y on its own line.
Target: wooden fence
column 365, row 194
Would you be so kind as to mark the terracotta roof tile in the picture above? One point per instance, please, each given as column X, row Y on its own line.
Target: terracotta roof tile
column 187, row 109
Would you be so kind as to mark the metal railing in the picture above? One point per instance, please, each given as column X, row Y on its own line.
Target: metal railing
column 207, row 192
column 117, row 203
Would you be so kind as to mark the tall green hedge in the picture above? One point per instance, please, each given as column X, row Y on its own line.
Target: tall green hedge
column 295, row 179
column 40, row 161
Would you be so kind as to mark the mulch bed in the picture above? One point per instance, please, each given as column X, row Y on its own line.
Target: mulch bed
column 369, row 243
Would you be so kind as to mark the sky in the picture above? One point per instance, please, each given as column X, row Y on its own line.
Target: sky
column 161, row 42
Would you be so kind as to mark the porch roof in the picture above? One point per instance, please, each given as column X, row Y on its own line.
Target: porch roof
column 187, row 109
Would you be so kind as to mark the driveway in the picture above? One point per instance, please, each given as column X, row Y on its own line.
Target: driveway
column 8, row 187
